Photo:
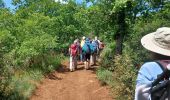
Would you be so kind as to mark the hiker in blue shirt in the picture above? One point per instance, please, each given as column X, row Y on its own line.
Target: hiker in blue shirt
column 94, row 50
column 86, row 53
column 98, row 51
column 159, row 44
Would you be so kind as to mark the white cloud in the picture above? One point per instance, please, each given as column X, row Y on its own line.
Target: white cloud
column 61, row 1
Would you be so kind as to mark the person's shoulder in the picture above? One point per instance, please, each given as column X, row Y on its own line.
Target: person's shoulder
column 149, row 65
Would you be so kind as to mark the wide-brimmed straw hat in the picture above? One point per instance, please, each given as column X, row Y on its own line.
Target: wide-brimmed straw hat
column 158, row 42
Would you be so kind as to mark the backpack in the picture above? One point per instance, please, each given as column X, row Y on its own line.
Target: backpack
column 86, row 47
column 159, row 90
column 101, row 45
column 73, row 49
column 97, row 43
column 93, row 47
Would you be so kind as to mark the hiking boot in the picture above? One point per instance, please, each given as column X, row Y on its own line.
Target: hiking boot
column 71, row 70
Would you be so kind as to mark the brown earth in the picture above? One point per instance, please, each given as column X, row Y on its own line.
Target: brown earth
column 78, row 85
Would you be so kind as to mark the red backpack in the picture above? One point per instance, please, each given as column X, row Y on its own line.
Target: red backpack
column 73, row 49
column 101, row 45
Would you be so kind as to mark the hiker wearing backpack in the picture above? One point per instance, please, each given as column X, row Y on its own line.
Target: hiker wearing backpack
column 154, row 75
column 86, row 53
column 94, row 50
column 79, row 50
column 101, row 45
column 73, row 50
column 97, row 42
column 81, row 45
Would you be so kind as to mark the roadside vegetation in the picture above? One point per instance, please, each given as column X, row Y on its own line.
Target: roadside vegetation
column 34, row 39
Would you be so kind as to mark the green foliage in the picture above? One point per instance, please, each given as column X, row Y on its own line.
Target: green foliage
column 22, row 83
column 7, row 41
column 107, row 56
column 132, row 45
column 29, row 48
column 118, row 72
column 105, row 76
column 32, row 37
column 125, row 76
column 119, row 4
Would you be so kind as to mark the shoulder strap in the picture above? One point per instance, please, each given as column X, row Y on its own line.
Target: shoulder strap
column 89, row 47
column 162, row 66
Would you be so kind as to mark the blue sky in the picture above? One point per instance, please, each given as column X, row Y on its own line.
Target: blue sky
column 8, row 3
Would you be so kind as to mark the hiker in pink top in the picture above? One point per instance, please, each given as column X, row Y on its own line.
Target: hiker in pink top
column 73, row 51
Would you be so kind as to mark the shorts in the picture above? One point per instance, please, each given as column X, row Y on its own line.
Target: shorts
column 86, row 57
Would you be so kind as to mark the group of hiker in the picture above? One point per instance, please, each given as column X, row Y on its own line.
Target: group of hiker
column 87, row 50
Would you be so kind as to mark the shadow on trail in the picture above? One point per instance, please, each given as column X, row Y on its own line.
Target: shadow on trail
column 65, row 68
column 80, row 68
column 52, row 76
column 92, row 68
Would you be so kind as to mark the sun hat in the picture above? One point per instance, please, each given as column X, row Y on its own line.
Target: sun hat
column 158, row 42
column 75, row 41
column 95, row 38
column 84, row 37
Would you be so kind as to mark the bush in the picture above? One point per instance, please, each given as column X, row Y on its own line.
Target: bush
column 132, row 44
column 118, row 72
column 107, row 56
column 105, row 76
column 20, row 84
column 125, row 76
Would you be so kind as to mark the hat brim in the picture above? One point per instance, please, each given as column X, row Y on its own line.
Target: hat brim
column 148, row 43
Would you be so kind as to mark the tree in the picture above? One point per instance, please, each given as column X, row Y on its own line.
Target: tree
column 2, row 4
column 120, row 16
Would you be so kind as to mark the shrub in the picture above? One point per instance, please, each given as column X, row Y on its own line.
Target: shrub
column 107, row 56
column 105, row 76
column 118, row 72
column 125, row 76
column 19, row 84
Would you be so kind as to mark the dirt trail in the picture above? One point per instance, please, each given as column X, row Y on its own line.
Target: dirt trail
column 79, row 85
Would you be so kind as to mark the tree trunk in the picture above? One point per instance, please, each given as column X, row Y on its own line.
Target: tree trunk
column 119, row 42
column 121, row 31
